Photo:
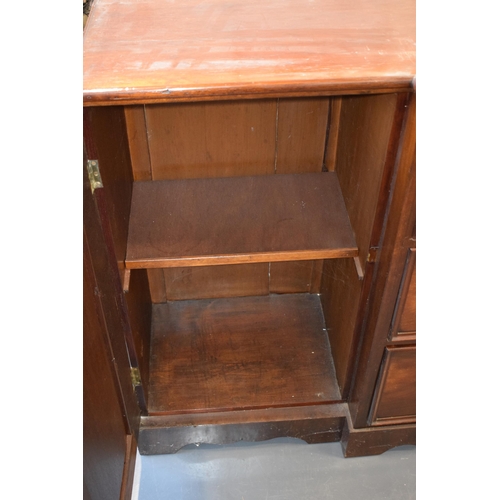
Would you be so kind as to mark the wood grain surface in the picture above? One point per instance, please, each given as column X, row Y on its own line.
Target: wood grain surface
column 106, row 136
column 395, row 398
column 212, row 139
column 161, row 434
column 157, row 289
column 251, row 352
column 139, row 312
column 291, row 277
column 301, row 135
column 235, row 220
column 152, row 50
column 138, row 142
column 340, row 297
column 234, row 280
column 407, row 321
column 211, row 282
column 333, row 134
column 104, row 428
column 363, row 139
column 391, row 258
column 366, row 441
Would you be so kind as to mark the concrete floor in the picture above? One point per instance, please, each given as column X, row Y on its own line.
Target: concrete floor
column 279, row 469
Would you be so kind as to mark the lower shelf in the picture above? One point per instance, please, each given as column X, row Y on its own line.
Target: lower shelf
column 240, row 354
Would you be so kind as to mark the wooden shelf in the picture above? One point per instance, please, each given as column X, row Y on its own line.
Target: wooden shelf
column 240, row 353
column 199, row 222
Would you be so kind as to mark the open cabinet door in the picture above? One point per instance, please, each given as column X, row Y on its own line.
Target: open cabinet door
column 111, row 413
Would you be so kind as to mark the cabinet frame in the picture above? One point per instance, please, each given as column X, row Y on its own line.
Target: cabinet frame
column 363, row 131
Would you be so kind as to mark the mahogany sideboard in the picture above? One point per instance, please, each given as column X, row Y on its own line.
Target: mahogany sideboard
column 249, row 219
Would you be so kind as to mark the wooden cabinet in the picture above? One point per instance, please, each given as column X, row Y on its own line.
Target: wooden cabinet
column 257, row 203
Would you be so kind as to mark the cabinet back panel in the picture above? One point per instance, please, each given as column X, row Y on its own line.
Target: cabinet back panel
column 302, row 125
column 238, row 280
column 220, row 139
column 210, row 282
column 293, row 277
column 230, row 139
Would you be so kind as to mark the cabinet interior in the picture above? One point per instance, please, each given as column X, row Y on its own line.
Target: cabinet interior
column 242, row 231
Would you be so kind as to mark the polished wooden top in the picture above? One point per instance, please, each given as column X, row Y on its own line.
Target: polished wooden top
column 163, row 50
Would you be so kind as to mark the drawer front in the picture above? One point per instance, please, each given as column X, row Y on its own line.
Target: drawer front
column 404, row 321
column 395, row 395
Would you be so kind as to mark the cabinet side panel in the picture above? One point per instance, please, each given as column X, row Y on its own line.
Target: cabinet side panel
column 211, row 139
column 333, row 133
column 138, row 142
column 340, row 295
column 364, row 133
column 398, row 237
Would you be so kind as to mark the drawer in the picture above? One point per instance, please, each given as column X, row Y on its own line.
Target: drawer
column 404, row 321
column 395, row 394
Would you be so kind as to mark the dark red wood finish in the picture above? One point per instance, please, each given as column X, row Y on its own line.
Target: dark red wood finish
column 238, row 220
column 207, row 264
column 313, row 424
column 397, row 238
column 104, row 427
column 395, row 396
column 240, row 353
column 375, row 440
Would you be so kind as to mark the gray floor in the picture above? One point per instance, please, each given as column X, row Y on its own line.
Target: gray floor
column 280, row 469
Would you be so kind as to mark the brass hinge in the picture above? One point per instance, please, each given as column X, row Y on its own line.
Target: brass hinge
column 94, row 175
column 135, row 376
column 372, row 254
